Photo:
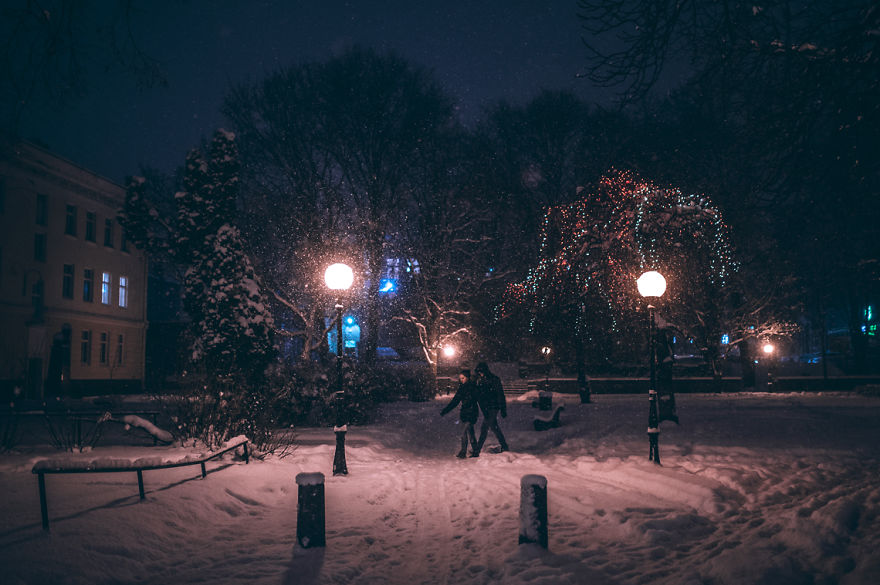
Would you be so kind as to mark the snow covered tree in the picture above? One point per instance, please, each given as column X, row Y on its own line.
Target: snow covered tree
column 234, row 332
column 592, row 252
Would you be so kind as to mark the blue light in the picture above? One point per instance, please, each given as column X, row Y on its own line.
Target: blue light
column 725, row 339
column 387, row 285
column 349, row 320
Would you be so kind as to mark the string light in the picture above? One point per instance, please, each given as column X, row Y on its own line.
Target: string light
column 596, row 246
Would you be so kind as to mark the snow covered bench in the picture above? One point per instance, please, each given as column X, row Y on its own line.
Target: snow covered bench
column 111, row 465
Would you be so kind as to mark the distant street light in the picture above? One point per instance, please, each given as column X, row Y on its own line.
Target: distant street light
column 339, row 277
column 768, row 348
column 652, row 285
column 546, row 351
column 449, row 351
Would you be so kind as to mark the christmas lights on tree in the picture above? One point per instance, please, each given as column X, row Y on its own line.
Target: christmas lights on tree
column 593, row 250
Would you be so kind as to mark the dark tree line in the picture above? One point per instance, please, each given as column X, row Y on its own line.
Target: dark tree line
column 360, row 159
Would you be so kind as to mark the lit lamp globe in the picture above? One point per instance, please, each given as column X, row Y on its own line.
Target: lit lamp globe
column 651, row 284
column 338, row 276
column 449, row 351
column 768, row 348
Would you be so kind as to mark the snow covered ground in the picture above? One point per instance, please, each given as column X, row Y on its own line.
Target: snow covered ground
column 754, row 489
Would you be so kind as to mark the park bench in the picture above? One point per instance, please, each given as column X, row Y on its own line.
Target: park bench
column 106, row 465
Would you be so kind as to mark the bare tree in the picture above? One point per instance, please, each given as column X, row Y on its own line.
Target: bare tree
column 48, row 50
column 332, row 148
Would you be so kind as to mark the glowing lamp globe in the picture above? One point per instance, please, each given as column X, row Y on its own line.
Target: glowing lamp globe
column 546, row 350
column 449, row 351
column 768, row 348
column 338, row 276
column 651, row 284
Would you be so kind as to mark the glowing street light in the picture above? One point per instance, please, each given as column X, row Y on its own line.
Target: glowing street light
column 768, row 349
column 339, row 277
column 651, row 284
column 449, row 351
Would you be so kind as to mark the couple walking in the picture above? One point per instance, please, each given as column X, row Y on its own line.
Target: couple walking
column 484, row 391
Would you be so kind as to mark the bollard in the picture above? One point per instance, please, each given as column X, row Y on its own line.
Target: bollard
column 533, row 510
column 310, row 510
column 545, row 400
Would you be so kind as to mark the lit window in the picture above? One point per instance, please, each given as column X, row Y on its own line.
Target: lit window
column 70, row 221
column 105, row 288
column 67, row 282
column 123, row 291
column 85, row 347
column 91, row 226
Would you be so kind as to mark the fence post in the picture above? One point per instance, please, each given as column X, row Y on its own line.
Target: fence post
column 533, row 510
column 310, row 510
column 44, row 509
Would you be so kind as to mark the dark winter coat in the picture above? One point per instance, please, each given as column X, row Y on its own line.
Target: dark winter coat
column 490, row 394
column 467, row 396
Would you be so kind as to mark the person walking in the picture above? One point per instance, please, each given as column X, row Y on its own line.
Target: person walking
column 467, row 396
column 490, row 396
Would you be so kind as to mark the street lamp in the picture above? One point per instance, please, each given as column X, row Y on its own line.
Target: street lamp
column 651, row 284
column 546, row 351
column 339, row 278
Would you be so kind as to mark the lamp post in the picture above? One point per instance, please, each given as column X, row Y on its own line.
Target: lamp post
column 546, row 351
column 338, row 278
column 651, row 284
column 768, row 349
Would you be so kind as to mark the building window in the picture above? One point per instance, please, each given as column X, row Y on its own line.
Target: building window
column 91, row 226
column 67, row 282
column 70, row 221
column 42, row 209
column 40, row 247
column 85, row 347
column 103, row 348
column 123, row 291
column 120, row 347
column 105, row 288
column 108, row 233
column 37, row 295
column 88, row 285
column 124, row 244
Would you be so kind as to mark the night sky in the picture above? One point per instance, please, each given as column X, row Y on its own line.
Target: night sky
column 479, row 51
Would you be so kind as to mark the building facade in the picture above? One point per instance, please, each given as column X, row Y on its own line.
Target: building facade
column 72, row 289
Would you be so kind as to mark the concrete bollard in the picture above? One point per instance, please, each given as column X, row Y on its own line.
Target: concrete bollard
column 310, row 510
column 533, row 510
column 545, row 400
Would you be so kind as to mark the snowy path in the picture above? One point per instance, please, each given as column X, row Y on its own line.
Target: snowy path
column 754, row 489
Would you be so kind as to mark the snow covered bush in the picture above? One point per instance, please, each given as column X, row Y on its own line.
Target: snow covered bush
column 216, row 409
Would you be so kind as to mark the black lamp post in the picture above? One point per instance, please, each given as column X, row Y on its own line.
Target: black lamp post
column 339, row 277
column 652, row 285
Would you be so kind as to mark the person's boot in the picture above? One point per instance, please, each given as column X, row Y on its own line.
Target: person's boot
column 461, row 454
column 475, row 453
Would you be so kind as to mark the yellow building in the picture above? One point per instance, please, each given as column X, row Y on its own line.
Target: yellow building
column 72, row 291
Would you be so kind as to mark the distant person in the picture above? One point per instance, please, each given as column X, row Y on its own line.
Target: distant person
column 490, row 396
column 467, row 396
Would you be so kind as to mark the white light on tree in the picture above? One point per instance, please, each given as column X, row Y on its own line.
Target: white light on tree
column 651, row 284
column 768, row 348
column 546, row 350
column 338, row 276
column 449, row 351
